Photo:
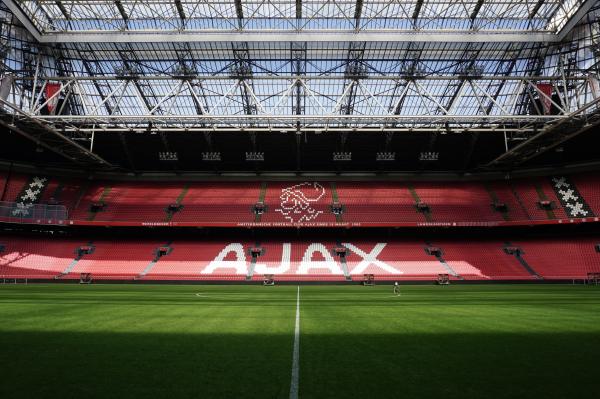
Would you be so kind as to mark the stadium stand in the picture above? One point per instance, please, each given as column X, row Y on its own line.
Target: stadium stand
column 298, row 260
column 372, row 202
column 531, row 192
column 561, row 259
column 68, row 193
column 503, row 193
column 458, row 201
column 295, row 202
column 218, row 202
column 13, row 186
column 397, row 260
column 192, row 260
column 3, row 180
column 138, row 202
column 114, row 260
column 589, row 187
column 479, row 259
column 92, row 193
column 42, row 259
column 207, row 203
column 48, row 196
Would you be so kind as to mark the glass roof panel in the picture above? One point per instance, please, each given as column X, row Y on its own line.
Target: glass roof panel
column 51, row 16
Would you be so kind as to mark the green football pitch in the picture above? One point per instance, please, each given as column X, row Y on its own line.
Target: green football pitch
column 159, row 341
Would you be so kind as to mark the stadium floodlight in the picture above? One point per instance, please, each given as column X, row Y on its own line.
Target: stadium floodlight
column 211, row 156
column 128, row 72
column 413, row 71
column 429, row 156
column 184, row 72
column 168, row 156
column 471, row 71
column 255, row 156
column 357, row 71
column 385, row 156
column 240, row 71
column 342, row 156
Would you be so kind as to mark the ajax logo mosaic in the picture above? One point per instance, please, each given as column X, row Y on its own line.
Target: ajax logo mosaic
column 297, row 202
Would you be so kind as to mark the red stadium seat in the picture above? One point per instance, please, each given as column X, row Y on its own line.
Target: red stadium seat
column 314, row 203
column 395, row 259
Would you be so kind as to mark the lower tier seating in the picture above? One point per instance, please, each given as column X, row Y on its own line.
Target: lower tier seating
column 34, row 258
column 319, row 260
column 115, row 259
column 481, row 259
column 561, row 259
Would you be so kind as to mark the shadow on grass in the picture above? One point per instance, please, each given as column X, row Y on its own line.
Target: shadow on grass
column 472, row 365
column 137, row 365
column 157, row 365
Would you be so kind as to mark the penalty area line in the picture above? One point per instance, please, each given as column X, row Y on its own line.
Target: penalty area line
column 296, row 352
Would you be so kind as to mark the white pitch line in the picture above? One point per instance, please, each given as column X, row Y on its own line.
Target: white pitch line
column 296, row 353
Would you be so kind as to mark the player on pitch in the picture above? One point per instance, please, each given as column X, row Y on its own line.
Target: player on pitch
column 396, row 289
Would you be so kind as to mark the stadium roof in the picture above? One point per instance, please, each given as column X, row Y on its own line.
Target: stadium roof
column 256, row 66
column 299, row 20
column 300, row 64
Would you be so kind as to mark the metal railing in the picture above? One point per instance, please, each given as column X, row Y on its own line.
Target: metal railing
column 12, row 212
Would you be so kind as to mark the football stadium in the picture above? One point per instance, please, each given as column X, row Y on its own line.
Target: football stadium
column 299, row 199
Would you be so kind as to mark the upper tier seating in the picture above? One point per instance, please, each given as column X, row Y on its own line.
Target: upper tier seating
column 293, row 202
column 128, row 201
column 309, row 202
column 219, row 202
column 589, row 187
column 504, row 193
column 3, row 181
column 13, row 187
column 531, row 191
column 467, row 201
column 377, row 202
column 64, row 192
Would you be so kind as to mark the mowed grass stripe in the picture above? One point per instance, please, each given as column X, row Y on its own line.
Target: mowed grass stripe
column 451, row 342
column 493, row 341
column 132, row 341
column 294, row 384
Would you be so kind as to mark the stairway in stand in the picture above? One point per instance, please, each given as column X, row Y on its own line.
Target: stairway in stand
column 178, row 201
column 519, row 256
column 105, row 193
